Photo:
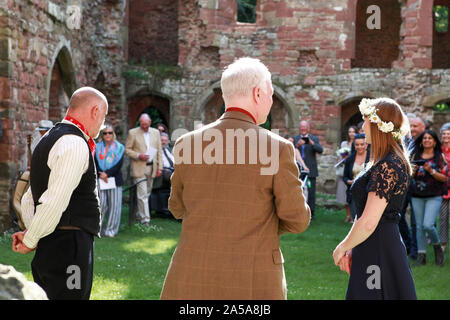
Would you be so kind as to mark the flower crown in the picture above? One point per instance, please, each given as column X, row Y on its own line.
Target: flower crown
column 368, row 109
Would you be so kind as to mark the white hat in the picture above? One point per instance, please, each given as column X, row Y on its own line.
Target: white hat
column 45, row 125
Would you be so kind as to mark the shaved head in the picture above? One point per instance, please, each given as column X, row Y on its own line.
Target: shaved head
column 90, row 107
column 86, row 97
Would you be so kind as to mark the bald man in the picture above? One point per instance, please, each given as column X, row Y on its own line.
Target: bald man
column 309, row 146
column 417, row 126
column 143, row 146
column 61, row 209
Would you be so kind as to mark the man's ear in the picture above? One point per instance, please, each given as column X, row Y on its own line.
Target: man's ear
column 256, row 94
column 94, row 111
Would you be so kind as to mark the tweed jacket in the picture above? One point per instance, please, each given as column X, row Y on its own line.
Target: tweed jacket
column 233, row 216
column 136, row 144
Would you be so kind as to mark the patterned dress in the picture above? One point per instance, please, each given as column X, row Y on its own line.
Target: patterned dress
column 380, row 268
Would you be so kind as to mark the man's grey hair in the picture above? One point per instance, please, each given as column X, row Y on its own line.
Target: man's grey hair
column 244, row 74
column 163, row 134
column 445, row 126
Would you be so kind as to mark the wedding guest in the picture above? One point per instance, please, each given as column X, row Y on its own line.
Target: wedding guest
column 309, row 146
column 109, row 155
column 444, row 211
column 427, row 188
column 373, row 252
column 162, row 128
column 61, row 209
column 354, row 164
column 233, row 215
column 161, row 190
column 341, row 190
column 143, row 146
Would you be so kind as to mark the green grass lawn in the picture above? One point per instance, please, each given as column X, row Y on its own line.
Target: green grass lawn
column 133, row 264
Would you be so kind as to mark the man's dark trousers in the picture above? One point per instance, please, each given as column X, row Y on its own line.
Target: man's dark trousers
column 64, row 263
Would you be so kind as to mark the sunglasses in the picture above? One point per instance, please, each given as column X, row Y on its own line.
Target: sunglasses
column 108, row 132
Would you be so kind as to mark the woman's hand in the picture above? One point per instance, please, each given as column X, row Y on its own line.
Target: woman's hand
column 343, row 258
column 346, row 262
column 104, row 176
column 338, row 253
column 427, row 167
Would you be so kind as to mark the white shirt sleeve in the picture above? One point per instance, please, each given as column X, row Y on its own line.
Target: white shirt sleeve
column 27, row 208
column 68, row 160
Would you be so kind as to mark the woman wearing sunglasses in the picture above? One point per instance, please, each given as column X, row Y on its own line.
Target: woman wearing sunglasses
column 109, row 159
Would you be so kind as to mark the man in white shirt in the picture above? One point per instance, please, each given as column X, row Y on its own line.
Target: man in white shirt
column 61, row 209
column 168, row 159
column 143, row 146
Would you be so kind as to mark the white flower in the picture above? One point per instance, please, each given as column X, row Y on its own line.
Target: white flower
column 366, row 108
column 386, row 126
column 374, row 118
column 342, row 152
column 401, row 133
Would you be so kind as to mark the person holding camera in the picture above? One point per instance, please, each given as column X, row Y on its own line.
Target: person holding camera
column 427, row 187
column 309, row 146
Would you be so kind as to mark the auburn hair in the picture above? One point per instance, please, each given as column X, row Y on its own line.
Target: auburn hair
column 383, row 143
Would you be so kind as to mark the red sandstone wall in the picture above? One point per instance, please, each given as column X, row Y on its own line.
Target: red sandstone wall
column 153, row 31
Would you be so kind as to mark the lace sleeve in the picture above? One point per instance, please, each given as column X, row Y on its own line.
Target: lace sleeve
column 388, row 179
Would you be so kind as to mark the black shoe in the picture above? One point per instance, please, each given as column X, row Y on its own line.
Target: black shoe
column 438, row 255
column 421, row 260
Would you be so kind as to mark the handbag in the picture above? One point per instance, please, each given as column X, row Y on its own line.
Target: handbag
column 167, row 173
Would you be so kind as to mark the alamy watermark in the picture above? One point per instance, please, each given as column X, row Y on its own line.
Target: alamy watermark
column 374, row 21
column 233, row 146
column 374, row 280
column 74, row 279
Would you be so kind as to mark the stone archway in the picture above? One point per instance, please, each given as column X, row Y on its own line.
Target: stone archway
column 350, row 115
column 210, row 107
column 156, row 106
column 62, row 84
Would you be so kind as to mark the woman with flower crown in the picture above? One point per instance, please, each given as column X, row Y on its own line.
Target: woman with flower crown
column 373, row 252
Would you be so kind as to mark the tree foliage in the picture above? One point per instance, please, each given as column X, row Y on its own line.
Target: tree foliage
column 441, row 18
column 246, row 11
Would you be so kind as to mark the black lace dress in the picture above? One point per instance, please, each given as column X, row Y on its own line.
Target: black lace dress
column 380, row 267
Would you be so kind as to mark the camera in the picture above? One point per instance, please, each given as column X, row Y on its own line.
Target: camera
column 419, row 162
column 306, row 139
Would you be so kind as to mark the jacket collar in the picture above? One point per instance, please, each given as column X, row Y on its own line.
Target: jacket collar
column 236, row 115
